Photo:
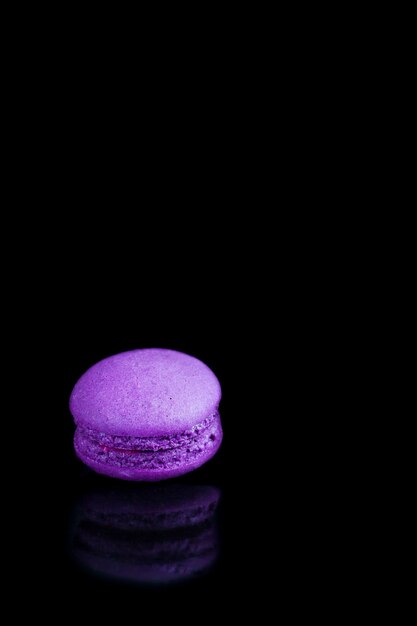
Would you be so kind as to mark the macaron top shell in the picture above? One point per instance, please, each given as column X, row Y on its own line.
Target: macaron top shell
column 145, row 393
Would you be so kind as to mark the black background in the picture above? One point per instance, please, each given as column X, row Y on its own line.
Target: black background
column 100, row 314
column 203, row 241
column 239, row 293
column 246, row 313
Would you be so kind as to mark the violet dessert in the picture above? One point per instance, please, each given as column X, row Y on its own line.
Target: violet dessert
column 147, row 415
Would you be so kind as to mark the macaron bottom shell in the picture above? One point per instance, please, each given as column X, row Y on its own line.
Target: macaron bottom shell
column 149, row 465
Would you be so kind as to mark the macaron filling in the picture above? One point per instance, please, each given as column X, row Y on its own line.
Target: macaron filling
column 149, row 453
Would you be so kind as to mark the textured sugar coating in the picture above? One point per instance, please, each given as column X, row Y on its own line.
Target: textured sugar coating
column 147, row 415
column 145, row 393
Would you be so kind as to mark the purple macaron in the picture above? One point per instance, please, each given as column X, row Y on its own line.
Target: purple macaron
column 147, row 415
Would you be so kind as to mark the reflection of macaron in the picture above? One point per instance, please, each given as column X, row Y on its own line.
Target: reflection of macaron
column 147, row 534
column 147, row 415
